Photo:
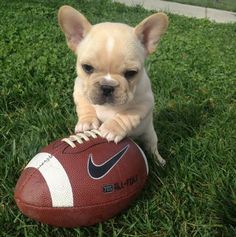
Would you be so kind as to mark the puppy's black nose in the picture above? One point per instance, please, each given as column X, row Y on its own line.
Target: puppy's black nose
column 107, row 90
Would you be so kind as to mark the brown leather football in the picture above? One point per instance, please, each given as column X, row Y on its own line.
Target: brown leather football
column 81, row 180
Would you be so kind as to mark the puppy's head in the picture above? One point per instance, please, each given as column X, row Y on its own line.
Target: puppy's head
column 110, row 56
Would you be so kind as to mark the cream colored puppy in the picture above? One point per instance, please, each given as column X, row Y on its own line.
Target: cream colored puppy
column 112, row 92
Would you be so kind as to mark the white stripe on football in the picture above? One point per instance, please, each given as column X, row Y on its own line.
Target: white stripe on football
column 55, row 177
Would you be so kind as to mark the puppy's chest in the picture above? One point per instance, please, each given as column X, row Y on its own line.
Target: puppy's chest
column 104, row 113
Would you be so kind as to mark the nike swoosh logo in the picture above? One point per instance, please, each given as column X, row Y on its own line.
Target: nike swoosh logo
column 99, row 171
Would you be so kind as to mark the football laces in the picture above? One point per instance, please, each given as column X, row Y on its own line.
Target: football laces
column 81, row 137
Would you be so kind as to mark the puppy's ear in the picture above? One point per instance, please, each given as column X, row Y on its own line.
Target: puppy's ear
column 74, row 25
column 150, row 30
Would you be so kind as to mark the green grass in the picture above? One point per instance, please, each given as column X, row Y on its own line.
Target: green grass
column 193, row 75
column 228, row 5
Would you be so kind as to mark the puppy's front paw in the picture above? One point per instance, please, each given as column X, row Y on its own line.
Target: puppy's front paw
column 112, row 131
column 87, row 124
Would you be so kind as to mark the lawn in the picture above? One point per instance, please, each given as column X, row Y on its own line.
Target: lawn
column 193, row 74
column 228, row 5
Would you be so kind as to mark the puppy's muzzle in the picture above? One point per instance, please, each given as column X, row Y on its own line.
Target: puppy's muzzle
column 107, row 90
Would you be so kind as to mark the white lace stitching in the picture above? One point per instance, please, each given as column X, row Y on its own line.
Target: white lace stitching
column 81, row 137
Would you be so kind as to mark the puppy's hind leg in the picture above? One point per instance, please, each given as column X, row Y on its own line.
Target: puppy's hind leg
column 150, row 141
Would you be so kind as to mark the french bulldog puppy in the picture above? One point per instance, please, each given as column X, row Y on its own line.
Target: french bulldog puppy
column 112, row 92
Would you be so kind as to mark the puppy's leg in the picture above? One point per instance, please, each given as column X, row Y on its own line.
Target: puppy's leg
column 87, row 117
column 150, row 141
column 120, row 125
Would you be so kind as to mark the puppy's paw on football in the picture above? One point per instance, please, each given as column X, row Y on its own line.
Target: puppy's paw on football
column 87, row 124
column 112, row 131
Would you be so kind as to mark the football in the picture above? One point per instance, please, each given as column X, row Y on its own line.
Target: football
column 81, row 180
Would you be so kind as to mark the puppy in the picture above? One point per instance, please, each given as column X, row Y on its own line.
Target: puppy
column 112, row 92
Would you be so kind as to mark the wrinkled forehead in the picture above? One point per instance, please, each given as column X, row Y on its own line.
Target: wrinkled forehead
column 111, row 47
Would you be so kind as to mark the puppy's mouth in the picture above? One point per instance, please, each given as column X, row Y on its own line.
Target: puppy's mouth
column 107, row 95
column 103, row 100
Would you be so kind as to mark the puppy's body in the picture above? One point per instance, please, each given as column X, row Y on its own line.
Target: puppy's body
column 112, row 92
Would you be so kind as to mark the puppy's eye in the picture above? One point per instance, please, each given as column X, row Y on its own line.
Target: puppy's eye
column 88, row 68
column 130, row 73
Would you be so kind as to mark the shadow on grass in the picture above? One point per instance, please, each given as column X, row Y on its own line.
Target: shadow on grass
column 174, row 125
column 225, row 201
column 179, row 122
